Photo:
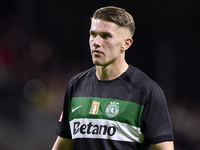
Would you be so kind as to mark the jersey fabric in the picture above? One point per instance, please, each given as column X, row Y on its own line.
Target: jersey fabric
column 126, row 113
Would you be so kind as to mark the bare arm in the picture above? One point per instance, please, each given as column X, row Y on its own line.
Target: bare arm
column 169, row 145
column 62, row 144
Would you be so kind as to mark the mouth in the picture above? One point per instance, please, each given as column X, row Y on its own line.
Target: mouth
column 97, row 52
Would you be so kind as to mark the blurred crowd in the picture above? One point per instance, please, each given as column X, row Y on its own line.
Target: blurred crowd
column 32, row 87
column 34, row 75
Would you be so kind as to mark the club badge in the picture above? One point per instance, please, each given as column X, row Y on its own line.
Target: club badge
column 112, row 109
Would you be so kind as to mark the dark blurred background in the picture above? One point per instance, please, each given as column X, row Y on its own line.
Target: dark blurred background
column 44, row 43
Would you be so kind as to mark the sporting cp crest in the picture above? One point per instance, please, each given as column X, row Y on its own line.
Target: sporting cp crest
column 112, row 109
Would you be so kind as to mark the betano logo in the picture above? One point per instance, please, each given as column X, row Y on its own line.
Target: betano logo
column 94, row 129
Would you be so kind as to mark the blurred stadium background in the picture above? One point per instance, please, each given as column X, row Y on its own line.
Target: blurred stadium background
column 44, row 43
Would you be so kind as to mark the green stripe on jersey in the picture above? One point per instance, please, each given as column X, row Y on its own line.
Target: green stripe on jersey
column 105, row 108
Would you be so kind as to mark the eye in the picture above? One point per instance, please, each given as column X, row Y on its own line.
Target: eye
column 105, row 36
column 93, row 34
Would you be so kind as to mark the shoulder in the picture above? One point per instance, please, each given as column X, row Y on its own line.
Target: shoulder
column 83, row 75
column 140, row 80
column 151, row 90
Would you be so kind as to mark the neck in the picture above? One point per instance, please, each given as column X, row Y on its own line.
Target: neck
column 110, row 72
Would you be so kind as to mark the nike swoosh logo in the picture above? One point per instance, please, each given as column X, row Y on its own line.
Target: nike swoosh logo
column 74, row 109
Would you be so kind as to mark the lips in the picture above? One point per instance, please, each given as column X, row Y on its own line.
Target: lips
column 97, row 52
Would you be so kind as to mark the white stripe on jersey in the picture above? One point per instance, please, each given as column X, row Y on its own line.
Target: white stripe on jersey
column 105, row 129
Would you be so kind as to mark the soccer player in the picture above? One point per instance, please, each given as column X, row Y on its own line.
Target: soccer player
column 113, row 105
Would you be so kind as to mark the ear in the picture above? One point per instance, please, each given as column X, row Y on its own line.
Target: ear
column 127, row 43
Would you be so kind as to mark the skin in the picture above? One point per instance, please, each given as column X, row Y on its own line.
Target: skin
column 168, row 145
column 108, row 43
column 62, row 144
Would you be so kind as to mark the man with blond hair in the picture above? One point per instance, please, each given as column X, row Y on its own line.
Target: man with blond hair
column 113, row 105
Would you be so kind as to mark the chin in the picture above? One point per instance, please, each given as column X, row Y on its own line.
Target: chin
column 97, row 64
column 100, row 64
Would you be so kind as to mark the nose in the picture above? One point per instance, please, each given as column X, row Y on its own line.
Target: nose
column 96, row 42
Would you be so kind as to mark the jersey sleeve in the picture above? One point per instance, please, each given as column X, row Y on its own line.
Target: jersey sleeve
column 63, row 127
column 155, row 121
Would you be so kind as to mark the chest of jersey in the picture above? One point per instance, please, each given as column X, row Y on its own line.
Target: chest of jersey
column 105, row 110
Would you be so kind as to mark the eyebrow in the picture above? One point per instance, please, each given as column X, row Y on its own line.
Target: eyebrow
column 108, row 33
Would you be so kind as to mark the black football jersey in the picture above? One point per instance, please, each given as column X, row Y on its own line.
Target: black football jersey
column 126, row 113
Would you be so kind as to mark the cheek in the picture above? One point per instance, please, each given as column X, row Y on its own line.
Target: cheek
column 113, row 45
column 109, row 43
column 90, row 42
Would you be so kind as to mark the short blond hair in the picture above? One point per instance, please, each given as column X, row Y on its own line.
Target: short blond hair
column 116, row 15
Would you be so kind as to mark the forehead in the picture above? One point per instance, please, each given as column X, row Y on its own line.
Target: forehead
column 102, row 26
